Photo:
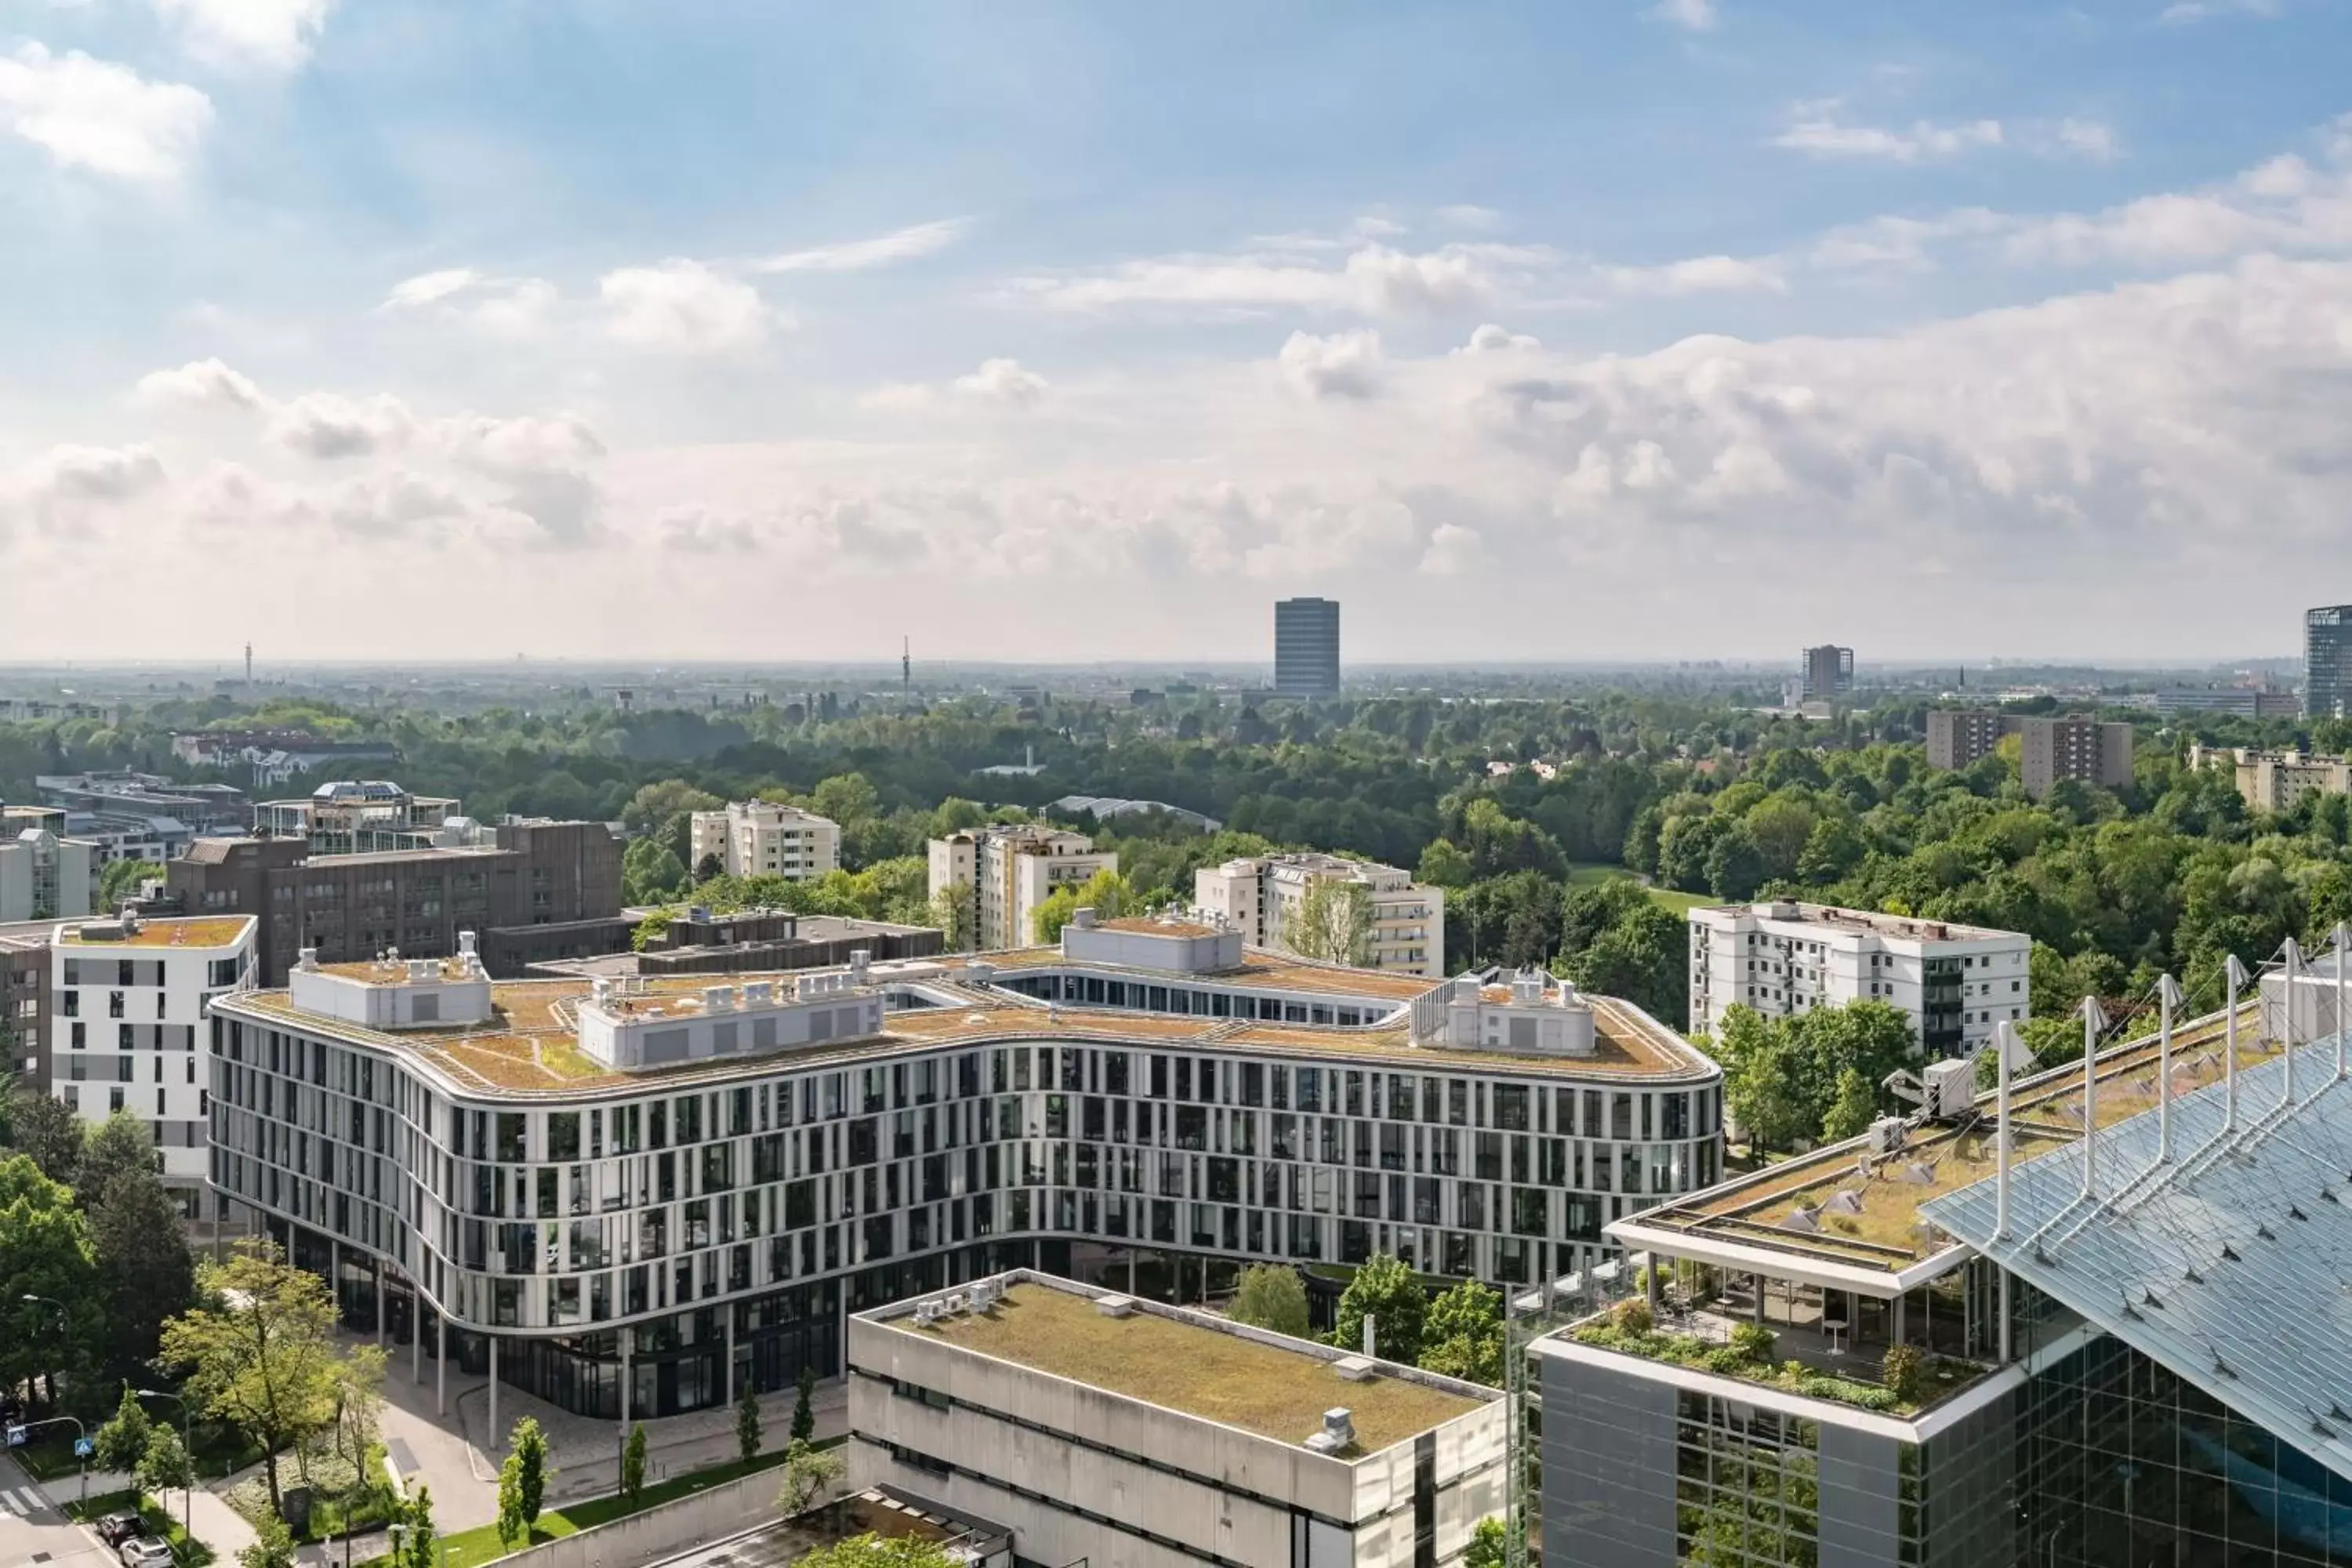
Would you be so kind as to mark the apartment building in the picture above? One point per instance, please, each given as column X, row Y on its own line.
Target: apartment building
column 1400, row 923
column 761, row 838
column 44, row 877
column 127, row 1028
column 630, row 1198
column 1827, row 671
column 1958, row 737
column 1000, row 875
column 1306, row 647
column 535, row 875
column 2090, row 750
column 1104, row 1428
column 2326, row 661
column 1955, row 982
column 2275, row 780
column 24, row 997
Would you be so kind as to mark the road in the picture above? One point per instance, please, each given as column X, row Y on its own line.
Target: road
column 32, row 1531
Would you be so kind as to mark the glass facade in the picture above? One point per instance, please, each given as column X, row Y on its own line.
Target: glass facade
column 2127, row 1465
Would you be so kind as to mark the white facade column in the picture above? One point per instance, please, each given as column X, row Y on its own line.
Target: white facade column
column 379, row 1303
column 496, row 1441
column 440, row 1364
column 416, row 1333
column 731, row 1354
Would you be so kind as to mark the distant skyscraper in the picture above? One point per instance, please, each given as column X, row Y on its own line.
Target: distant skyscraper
column 1306, row 647
column 1829, row 671
column 2327, row 661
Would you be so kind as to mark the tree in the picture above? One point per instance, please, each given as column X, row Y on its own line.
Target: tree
column 1462, row 1335
column 44, row 1128
column 951, row 911
column 272, row 1546
column 44, row 1252
column 359, row 1401
column 1855, row 1109
column 1106, row 893
column 1333, row 922
column 809, row 1473
column 871, row 1551
column 747, row 1423
column 804, row 1407
column 122, row 1144
column 165, row 1466
column 522, row 1481
column 122, row 1443
column 846, row 799
column 121, row 877
column 416, row 1548
column 1270, row 1296
column 1487, row 1544
column 257, row 1353
column 633, row 1465
column 140, row 1245
column 511, row 1524
column 1386, row 1292
column 1443, row 864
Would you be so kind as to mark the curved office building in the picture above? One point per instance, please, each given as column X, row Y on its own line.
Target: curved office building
column 626, row 1195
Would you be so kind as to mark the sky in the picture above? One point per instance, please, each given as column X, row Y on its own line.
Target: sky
column 735, row 329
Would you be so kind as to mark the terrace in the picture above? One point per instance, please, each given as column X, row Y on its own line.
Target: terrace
column 215, row 930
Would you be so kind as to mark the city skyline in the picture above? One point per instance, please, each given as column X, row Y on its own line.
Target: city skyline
column 1526, row 335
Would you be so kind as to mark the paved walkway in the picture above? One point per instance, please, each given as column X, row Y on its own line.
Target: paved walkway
column 209, row 1518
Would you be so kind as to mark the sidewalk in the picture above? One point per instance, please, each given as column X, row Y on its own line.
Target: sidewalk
column 211, row 1520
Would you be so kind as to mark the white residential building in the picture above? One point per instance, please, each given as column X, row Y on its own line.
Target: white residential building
column 1260, row 897
column 1956, row 982
column 760, row 838
column 1005, row 873
column 128, row 1030
column 44, row 877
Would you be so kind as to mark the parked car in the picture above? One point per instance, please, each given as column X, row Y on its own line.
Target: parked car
column 117, row 1527
column 144, row 1552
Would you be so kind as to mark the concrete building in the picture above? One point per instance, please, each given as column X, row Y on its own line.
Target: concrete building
column 127, row 1029
column 761, row 838
column 2089, row 751
column 1955, row 983
column 2275, row 780
column 2328, row 661
column 358, row 818
column 349, row 907
column 24, row 1005
column 1306, row 647
column 1958, row 737
column 2245, row 701
column 44, row 877
column 2129, row 1351
column 749, row 942
column 631, row 1196
column 204, row 807
column 1828, row 672
column 1403, row 922
column 1124, row 1433
column 1000, row 875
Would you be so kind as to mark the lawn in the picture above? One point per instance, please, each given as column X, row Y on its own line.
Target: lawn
column 472, row 1548
column 1587, row 873
column 164, row 1524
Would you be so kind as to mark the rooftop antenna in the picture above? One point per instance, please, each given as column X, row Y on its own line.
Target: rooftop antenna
column 2234, row 975
column 249, row 664
column 906, row 667
column 2093, row 1021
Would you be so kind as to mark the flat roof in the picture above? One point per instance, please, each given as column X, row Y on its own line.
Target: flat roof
column 1270, row 970
column 1199, row 1367
column 1835, row 917
column 1887, row 1234
column 1151, row 925
column 530, row 1045
column 207, row 931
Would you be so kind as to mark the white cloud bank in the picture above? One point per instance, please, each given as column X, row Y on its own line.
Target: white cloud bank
column 97, row 116
column 247, row 35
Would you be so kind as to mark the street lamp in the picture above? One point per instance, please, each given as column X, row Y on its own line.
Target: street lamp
column 187, row 1452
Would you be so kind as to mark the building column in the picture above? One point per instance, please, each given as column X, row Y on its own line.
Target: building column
column 440, row 1364
column 495, row 1442
column 730, row 1353
column 1760, row 1298
column 628, row 1342
column 335, row 1277
column 379, row 1302
column 416, row 1333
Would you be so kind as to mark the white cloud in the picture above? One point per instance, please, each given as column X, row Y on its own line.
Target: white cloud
column 73, row 473
column 2184, row 11
column 2089, row 138
column 1345, row 365
column 1691, row 15
column 204, row 382
column 1816, row 128
column 1466, row 216
column 883, row 250
column 326, row 425
column 247, row 35
column 1374, row 279
column 683, row 307
column 1699, row 274
column 1003, row 380
column 1454, row 552
column 1492, row 338
column 502, row 306
column 426, row 287
column 94, row 114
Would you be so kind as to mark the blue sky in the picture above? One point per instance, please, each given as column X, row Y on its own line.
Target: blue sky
column 1601, row 330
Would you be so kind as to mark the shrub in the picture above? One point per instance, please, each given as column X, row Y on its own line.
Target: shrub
column 1630, row 1316
column 1843, row 1392
column 1725, row 1360
column 1754, row 1342
column 1905, row 1370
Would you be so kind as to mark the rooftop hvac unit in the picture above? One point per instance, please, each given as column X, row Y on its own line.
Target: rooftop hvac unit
column 1951, row 1088
column 1886, row 1135
column 1115, row 1306
column 926, row 1312
column 1353, row 1368
column 1339, row 1431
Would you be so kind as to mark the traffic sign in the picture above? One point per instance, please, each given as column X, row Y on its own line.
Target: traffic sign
column 84, row 1447
column 15, row 1436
